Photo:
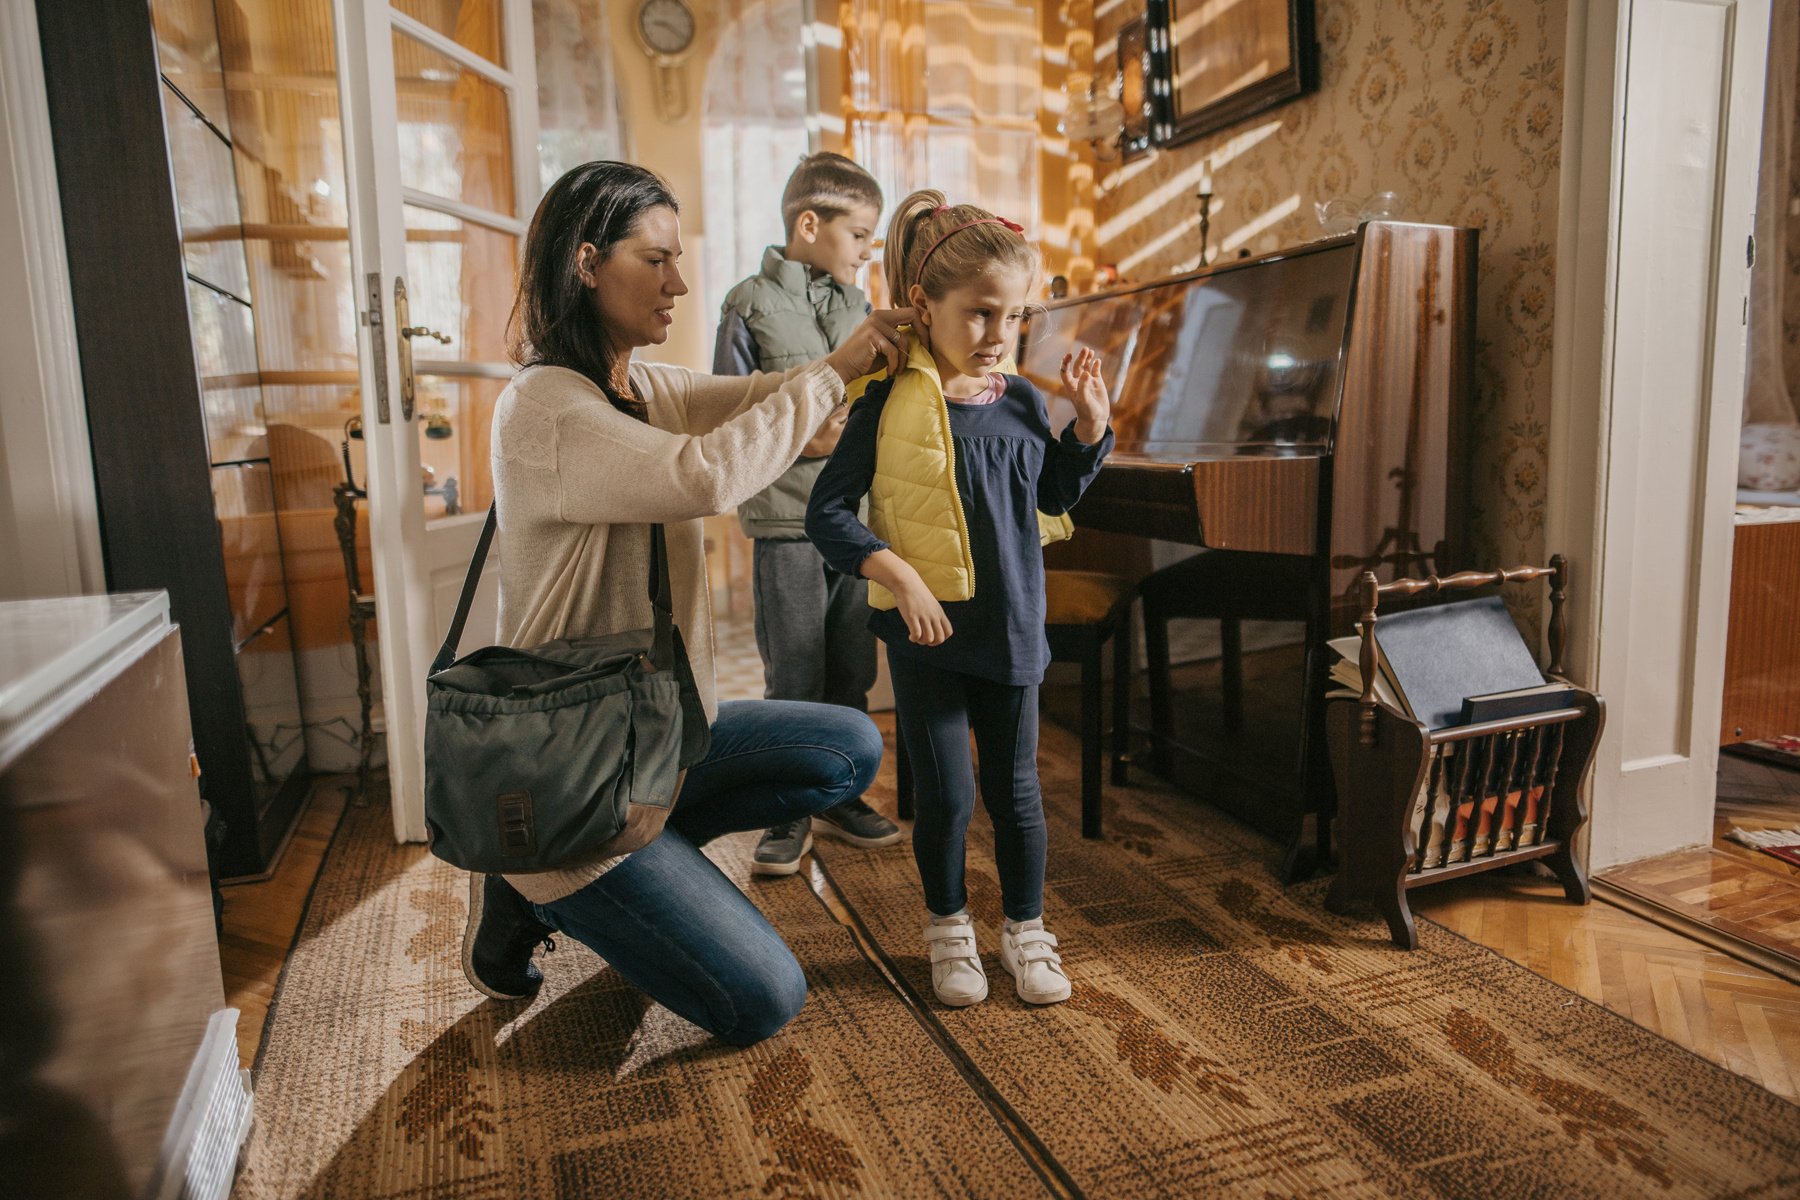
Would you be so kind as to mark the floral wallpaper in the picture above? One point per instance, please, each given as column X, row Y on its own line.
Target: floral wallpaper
column 1456, row 105
column 1790, row 292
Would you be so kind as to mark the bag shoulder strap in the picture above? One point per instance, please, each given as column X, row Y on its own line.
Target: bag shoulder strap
column 662, row 650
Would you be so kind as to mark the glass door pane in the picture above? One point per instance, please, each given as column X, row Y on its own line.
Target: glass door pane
column 459, row 281
column 463, row 238
column 472, row 24
column 455, row 129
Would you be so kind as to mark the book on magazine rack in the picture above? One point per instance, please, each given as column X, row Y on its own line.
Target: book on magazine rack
column 1521, row 702
column 1346, row 672
column 1437, row 657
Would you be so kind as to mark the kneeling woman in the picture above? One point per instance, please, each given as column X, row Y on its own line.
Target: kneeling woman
column 589, row 450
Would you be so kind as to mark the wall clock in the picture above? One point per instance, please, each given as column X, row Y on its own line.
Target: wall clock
column 666, row 29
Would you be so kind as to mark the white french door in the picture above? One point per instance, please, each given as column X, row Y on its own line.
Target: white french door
column 439, row 101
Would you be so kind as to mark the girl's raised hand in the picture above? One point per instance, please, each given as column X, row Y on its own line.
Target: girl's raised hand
column 1081, row 378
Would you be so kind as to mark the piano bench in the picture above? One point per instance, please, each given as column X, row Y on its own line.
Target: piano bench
column 1223, row 585
column 1083, row 610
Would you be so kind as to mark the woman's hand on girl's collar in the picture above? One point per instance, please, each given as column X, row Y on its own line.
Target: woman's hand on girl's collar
column 878, row 341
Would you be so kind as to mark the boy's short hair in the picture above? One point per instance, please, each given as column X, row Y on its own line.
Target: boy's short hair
column 828, row 184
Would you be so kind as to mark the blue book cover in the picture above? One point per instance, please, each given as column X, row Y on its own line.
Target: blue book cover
column 1500, row 706
column 1440, row 655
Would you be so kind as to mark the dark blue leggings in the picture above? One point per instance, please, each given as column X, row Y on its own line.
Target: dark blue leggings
column 936, row 709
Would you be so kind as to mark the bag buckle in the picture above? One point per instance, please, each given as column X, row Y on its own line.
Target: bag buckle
column 518, row 836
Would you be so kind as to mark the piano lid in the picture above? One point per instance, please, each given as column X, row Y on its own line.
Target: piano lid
column 1244, row 358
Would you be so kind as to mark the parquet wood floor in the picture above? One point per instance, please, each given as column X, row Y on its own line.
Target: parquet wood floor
column 1731, row 894
column 1741, row 1017
column 1726, row 888
column 261, row 919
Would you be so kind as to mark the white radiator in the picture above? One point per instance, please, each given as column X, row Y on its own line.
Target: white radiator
column 212, row 1119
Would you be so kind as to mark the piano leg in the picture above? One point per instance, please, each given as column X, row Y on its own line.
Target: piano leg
column 1121, row 713
column 1091, row 739
column 1316, row 787
column 1231, row 670
column 1162, row 712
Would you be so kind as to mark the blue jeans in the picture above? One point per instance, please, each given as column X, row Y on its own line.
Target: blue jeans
column 936, row 709
column 670, row 922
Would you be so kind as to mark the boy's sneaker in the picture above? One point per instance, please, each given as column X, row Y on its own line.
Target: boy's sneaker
column 499, row 939
column 855, row 822
column 956, row 974
column 781, row 848
column 1028, row 952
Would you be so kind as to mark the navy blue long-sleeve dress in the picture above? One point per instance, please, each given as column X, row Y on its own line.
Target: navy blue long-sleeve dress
column 1009, row 465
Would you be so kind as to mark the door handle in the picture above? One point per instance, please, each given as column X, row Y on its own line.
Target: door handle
column 408, row 331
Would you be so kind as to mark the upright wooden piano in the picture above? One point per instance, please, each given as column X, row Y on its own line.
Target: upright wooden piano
column 1300, row 416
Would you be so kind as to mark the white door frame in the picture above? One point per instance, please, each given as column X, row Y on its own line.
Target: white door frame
column 411, row 556
column 1661, row 141
column 49, row 517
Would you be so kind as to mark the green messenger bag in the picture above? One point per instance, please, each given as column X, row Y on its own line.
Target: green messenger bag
column 539, row 758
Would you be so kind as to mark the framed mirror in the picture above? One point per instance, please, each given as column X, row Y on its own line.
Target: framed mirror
column 1213, row 64
column 1134, row 88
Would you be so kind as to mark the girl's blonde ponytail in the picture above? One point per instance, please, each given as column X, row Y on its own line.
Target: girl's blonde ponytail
column 982, row 243
column 900, row 256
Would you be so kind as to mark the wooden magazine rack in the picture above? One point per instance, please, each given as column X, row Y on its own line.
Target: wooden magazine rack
column 1416, row 806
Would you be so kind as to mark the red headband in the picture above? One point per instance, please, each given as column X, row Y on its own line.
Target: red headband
column 919, row 275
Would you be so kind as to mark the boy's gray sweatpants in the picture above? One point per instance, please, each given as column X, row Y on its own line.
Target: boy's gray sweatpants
column 812, row 626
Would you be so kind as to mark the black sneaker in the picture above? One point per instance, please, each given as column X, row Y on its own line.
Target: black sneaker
column 855, row 822
column 781, row 848
column 499, row 939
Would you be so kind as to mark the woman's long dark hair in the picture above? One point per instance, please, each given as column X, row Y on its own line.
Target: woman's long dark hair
column 553, row 322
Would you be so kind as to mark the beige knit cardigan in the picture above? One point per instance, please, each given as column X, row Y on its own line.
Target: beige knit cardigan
column 578, row 483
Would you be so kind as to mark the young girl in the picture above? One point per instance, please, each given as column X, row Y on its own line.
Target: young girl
column 958, row 461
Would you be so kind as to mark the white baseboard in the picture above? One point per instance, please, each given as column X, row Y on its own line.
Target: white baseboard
column 200, row 1149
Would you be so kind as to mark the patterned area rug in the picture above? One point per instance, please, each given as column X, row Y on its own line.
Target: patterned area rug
column 384, row 1075
column 1226, row 1038
column 1783, row 844
column 1229, row 1037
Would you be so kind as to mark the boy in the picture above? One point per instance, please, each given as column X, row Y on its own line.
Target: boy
column 811, row 622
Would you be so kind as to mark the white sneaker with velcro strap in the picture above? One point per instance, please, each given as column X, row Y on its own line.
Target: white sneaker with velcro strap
column 956, row 974
column 1028, row 952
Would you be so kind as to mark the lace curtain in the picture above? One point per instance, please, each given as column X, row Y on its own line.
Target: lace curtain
column 936, row 93
column 946, row 95
column 755, row 128
column 578, row 108
column 1774, row 363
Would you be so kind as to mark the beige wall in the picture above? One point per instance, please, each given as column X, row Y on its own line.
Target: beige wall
column 1457, row 107
column 673, row 150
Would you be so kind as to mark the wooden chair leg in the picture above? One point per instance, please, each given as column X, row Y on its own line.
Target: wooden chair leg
column 1162, row 712
column 903, row 781
column 1231, row 666
column 1121, row 713
column 1091, row 739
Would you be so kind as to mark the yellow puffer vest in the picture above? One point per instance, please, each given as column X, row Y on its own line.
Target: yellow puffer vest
column 913, row 503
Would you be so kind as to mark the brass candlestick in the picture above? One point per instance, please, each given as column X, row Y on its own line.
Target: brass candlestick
column 1205, row 199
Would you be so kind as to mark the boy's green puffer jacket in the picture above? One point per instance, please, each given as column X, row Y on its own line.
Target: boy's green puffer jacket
column 787, row 320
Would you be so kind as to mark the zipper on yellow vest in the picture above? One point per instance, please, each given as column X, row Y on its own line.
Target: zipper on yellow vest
column 962, row 517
